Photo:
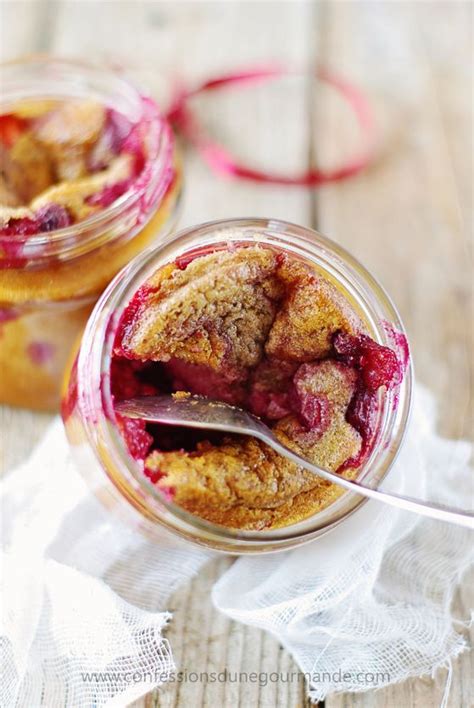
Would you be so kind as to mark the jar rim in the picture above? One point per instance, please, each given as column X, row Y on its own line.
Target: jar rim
column 96, row 353
column 65, row 242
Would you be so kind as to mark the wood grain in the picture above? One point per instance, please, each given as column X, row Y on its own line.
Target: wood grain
column 402, row 218
column 408, row 219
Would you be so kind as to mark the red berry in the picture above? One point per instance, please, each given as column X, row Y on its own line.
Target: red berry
column 377, row 364
column 109, row 194
column 313, row 410
column 20, row 227
column 153, row 475
column 137, row 439
column 11, row 127
column 52, row 217
column 361, row 412
column 346, row 347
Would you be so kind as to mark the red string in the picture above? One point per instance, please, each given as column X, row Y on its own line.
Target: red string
column 222, row 161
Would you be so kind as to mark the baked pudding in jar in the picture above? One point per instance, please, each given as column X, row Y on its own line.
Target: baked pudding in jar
column 89, row 177
column 261, row 315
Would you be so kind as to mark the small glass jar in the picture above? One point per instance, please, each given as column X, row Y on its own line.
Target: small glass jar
column 49, row 282
column 89, row 416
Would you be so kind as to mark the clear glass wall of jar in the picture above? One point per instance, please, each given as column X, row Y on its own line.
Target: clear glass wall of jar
column 89, row 416
column 49, row 282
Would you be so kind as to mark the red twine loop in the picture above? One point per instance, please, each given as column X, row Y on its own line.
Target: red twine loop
column 222, row 161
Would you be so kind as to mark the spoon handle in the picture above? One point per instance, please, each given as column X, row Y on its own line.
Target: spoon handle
column 429, row 509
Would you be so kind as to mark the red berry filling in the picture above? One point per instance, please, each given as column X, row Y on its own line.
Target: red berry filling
column 11, row 127
column 49, row 218
column 109, row 194
column 269, row 404
column 378, row 365
column 20, row 227
column 52, row 217
column 205, row 382
column 313, row 411
column 136, row 437
column 136, row 305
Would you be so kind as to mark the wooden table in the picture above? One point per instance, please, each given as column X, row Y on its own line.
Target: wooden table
column 407, row 218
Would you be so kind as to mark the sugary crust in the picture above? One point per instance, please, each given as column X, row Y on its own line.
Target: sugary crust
column 244, row 479
column 217, row 311
column 228, row 285
column 311, row 312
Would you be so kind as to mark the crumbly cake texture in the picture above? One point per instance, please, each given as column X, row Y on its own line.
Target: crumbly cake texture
column 262, row 330
column 216, row 312
column 61, row 162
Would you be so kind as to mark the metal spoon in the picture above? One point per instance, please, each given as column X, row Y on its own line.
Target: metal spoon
column 199, row 412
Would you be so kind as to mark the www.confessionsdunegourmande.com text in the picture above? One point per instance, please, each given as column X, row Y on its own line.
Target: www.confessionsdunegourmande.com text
column 262, row 678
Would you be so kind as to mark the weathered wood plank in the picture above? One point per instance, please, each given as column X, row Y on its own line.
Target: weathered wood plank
column 404, row 217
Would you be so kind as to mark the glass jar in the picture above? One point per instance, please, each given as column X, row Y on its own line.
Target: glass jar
column 89, row 416
column 49, row 282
